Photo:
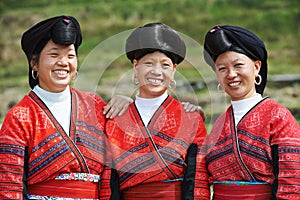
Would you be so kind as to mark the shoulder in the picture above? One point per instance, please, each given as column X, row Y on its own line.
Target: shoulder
column 87, row 96
column 22, row 111
column 273, row 108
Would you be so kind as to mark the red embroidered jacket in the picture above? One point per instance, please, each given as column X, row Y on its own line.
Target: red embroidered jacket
column 32, row 139
column 158, row 152
column 264, row 147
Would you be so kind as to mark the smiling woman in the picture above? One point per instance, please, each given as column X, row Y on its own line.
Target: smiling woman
column 253, row 149
column 52, row 141
column 156, row 146
column 154, row 71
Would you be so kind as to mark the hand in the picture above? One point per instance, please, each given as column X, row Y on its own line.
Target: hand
column 188, row 107
column 117, row 106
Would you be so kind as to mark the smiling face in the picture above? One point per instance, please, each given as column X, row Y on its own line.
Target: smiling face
column 56, row 66
column 236, row 74
column 154, row 72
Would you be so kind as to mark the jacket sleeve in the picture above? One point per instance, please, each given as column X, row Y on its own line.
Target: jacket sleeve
column 285, row 144
column 110, row 186
column 195, row 185
column 12, row 154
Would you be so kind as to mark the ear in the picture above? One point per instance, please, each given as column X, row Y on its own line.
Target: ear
column 134, row 62
column 174, row 70
column 33, row 62
column 257, row 66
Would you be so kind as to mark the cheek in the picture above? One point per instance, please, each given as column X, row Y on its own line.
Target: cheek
column 74, row 63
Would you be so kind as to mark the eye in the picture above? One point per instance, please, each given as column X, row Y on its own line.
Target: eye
column 53, row 55
column 166, row 65
column 221, row 69
column 239, row 64
column 148, row 64
column 71, row 56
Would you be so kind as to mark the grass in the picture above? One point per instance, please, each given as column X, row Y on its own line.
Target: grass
column 275, row 21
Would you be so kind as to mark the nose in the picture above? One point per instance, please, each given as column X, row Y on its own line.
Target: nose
column 156, row 69
column 62, row 61
column 231, row 73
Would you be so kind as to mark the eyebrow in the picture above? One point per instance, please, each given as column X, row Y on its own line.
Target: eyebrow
column 235, row 60
column 57, row 48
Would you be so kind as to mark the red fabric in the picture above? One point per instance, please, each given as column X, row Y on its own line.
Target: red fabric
column 30, row 129
column 136, row 149
column 63, row 188
column 154, row 190
column 237, row 154
column 245, row 192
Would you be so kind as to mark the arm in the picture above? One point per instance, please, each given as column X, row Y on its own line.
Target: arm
column 195, row 185
column 285, row 134
column 117, row 106
column 110, row 186
column 201, row 190
column 188, row 107
column 12, row 148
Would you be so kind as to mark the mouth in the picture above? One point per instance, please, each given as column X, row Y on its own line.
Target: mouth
column 154, row 81
column 61, row 73
column 234, row 84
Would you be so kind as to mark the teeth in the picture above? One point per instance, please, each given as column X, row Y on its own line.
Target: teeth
column 61, row 72
column 154, row 80
column 234, row 84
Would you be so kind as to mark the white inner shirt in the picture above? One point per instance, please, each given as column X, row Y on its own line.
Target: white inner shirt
column 58, row 103
column 241, row 107
column 148, row 106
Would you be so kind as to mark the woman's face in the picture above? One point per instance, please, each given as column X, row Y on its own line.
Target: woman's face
column 56, row 66
column 154, row 72
column 236, row 73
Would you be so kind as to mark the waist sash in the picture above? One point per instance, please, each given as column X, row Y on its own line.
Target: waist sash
column 245, row 192
column 66, row 188
column 155, row 190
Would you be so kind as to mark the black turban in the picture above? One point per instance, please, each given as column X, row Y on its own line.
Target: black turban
column 155, row 37
column 64, row 30
column 232, row 38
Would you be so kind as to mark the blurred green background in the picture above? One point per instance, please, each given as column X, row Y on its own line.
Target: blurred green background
column 275, row 21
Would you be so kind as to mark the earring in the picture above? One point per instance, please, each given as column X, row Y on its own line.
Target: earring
column 35, row 77
column 220, row 89
column 134, row 80
column 76, row 74
column 172, row 84
column 259, row 81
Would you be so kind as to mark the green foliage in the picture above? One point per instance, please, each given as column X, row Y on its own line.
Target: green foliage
column 275, row 21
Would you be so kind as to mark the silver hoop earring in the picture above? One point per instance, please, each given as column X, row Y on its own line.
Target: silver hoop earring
column 35, row 77
column 220, row 89
column 75, row 76
column 259, row 81
column 172, row 84
column 134, row 80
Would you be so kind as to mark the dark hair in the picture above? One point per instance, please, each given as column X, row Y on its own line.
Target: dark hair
column 155, row 37
column 64, row 30
column 220, row 39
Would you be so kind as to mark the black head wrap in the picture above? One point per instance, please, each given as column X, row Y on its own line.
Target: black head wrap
column 155, row 37
column 232, row 38
column 64, row 30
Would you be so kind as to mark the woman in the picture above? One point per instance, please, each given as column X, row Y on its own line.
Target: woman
column 52, row 141
column 253, row 148
column 156, row 146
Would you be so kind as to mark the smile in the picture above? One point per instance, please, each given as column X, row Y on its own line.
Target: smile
column 154, row 81
column 60, row 72
column 234, row 84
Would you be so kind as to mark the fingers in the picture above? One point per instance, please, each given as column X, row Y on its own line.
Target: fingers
column 188, row 107
column 106, row 108
column 117, row 106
